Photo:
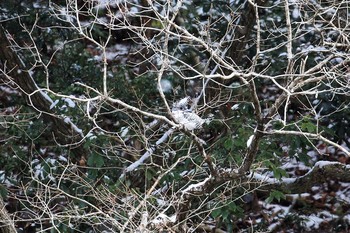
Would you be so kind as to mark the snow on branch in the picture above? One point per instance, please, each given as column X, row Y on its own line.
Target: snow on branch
column 198, row 187
column 320, row 172
column 148, row 153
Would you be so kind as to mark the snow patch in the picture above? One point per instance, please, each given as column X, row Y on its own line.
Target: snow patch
column 166, row 85
column 70, row 102
column 54, row 104
column 163, row 219
column 74, row 127
column 322, row 164
column 313, row 221
column 296, row 13
column 197, row 186
column 250, row 140
column 235, row 107
column 124, row 132
column 62, row 158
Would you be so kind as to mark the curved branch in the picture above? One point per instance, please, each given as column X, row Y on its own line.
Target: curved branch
column 321, row 172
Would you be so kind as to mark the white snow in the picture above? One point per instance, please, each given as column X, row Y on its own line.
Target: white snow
column 68, row 16
column 269, row 180
column 34, row 161
column 347, row 218
column 284, row 54
column 187, row 173
column 280, row 211
column 74, row 127
column 118, row 51
column 197, row 186
column 43, row 150
column 2, row 175
column 162, row 202
column 54, row 104
column 8, row 90
column 318, row 115
column 296, row 13
column 53, row 179
column 148, row 153
column 137, row 163
column 90, row 135
column 250, row 140
column 46, row 96
column 321, row 164
column 153, row 123
column 37, row 5
column 235, row 107
column 39, row 172
column 70, row 102
column 161, row 190
column 312, row 48
column 294, row 163
column 182, row 104
column 124, row 132
column 51, row 161
column 62, row 158
column 164, row 137
column 105, row 3
column 313, row 221
column 166, row 85
column 163, row 219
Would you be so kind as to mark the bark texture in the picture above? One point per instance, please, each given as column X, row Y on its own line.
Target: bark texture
column 14, row 70
column 243, row 32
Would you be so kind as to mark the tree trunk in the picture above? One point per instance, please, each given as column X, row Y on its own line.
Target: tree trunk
column 64, row 131
column 243, row 33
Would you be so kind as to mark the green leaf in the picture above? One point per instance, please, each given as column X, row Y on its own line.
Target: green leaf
column 216, row 213
column 268, row 163
column 238, row 158
column 3, row 191
column 278, row 173
column 236, row 209
column 92, row 174
column 303, row 157
column 225, row 214
column 95, row 160
column 87, row 144
column 150, row 174
column 228, row 144
column 275, row 195
column 308, row 126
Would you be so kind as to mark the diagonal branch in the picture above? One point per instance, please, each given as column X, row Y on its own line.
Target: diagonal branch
column 13, row 68
column 320, row 172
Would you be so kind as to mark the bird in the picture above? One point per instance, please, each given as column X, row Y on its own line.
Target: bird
column 184, row 115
